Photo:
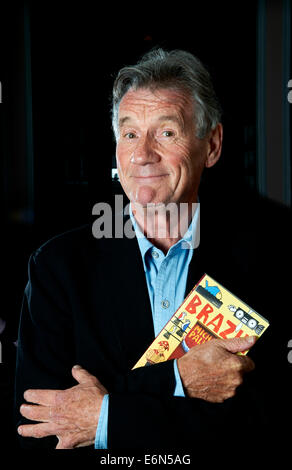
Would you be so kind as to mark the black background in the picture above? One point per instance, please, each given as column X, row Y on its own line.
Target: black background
column 76, row 50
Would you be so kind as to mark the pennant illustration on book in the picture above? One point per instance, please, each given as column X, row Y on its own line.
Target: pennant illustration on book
column 209, row 311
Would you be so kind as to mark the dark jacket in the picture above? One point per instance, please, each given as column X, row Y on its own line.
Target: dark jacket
column 87, row 303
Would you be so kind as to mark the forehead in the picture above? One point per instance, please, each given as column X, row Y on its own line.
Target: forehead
column 146, row 103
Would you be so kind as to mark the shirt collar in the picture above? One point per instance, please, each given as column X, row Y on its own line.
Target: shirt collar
column 190, row 240
column 143, row 242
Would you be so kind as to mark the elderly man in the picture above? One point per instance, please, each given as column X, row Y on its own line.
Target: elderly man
column 93, row 306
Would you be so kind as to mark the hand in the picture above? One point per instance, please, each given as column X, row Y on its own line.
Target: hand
column 72, row 415
column 212, row 371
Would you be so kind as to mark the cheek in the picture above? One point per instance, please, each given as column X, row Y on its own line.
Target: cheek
column 180, row 158
column 122, row 157
column 192, row 156
column 186, row 165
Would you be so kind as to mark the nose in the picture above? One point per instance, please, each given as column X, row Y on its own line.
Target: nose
column 144, row 152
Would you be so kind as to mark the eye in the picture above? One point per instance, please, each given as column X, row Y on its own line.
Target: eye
column 130, row 135
column 168, row 133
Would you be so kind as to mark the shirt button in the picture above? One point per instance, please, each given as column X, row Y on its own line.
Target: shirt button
column 165, row 303
column 155, row 254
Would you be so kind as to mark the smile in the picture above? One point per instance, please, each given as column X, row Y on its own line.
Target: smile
column 148, row 178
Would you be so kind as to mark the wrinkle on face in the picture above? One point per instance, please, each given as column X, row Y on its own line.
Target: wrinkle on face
column 146, row 115
column 143, row 103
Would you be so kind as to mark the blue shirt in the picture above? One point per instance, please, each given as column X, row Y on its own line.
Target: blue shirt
column 166, row 277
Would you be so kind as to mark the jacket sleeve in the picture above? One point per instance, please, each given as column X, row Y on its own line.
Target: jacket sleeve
column 157, row 420
column 45, row 352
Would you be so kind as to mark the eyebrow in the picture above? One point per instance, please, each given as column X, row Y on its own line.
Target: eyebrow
column 166, row 117
column 173, row 118
column 123, row 120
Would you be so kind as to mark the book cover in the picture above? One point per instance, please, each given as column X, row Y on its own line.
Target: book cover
column 209, row 311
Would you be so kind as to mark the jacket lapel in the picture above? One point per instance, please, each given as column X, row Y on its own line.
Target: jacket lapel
column 130, row 308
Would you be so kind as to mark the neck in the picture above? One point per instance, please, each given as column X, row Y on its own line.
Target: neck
column 164, row 225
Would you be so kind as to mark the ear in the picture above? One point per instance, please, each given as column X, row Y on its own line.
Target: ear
column 214, row 146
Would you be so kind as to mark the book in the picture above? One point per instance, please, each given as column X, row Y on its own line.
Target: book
column 209, row 311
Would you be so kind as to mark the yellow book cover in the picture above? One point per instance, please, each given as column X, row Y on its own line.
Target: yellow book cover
column 209, row 311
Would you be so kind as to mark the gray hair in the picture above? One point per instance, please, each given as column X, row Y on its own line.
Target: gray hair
column 175, row 69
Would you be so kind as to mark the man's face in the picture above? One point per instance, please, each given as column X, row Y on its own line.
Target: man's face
column 159, row 157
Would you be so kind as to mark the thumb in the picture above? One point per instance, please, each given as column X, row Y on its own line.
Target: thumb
column 235, row 345
column 83, row 376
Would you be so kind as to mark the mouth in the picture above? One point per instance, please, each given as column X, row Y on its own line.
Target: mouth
column 144, row 179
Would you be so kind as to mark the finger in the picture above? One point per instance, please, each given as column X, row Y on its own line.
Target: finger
column 71, row 440
column 36, row 412
column 239, row 364
column 38, row 430
column 83, row 376
column 235, row 345
column 247, row 364
column 67, row 441
column 41, row 397
column 61, row 445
